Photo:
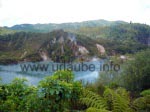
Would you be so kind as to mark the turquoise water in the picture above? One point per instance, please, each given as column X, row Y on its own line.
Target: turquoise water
column 9, row 72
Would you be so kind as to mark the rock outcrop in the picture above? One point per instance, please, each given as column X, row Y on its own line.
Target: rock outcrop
column 83, row 50
column 44, row 55
column 100, row 49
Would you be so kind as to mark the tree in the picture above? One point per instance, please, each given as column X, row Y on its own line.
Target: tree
column 136, row 74
column 58, row 91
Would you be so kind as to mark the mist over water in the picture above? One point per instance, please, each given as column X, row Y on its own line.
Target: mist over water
column 9, row 72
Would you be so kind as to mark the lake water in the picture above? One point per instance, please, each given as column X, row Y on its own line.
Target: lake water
column 9, row 72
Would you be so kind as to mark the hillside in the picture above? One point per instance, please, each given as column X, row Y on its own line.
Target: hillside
column 4, row 31
column 66, row 26
column 76, row 41
column 122, row 32
column 27, row 46
column 95, row 29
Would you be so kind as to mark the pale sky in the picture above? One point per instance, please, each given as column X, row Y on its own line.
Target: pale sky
column 59, row 11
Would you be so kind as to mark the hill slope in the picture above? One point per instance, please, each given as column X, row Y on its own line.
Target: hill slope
column 76, row 41
column 95, row 29
column 66, row 26
column 29, row 46
column 122, row 32
column 4, row 31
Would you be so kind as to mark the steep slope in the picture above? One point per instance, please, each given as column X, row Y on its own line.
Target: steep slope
column 79, row 41
column 55, row 46
column 122, row 32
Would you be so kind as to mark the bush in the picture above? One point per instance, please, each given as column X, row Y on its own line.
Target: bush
column 143, row 103
column 55, row 93
column 136, row 74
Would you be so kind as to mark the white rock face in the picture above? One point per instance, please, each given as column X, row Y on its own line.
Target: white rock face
column 44, row 56
column 101, row 49
column 83, row 50
column 23, row 55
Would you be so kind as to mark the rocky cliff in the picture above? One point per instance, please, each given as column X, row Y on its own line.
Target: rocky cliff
column 57, row 46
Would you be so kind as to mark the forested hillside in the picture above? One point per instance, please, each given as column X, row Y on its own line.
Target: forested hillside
column 29, row 44
column 122, row 32
column 52, row 26
column 118, row 30
column 4, row 31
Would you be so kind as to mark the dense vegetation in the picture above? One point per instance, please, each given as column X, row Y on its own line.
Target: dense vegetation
column 120, row 31
column 60, row 93
column 137, row 72
column 120, row 38
column 4, row 31
column 125, row 91
column 95, row 29
column 117, row 37
column 66, row 26
column 26, row 45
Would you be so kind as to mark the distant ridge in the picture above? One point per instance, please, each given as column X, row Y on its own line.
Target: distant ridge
column 66, row 26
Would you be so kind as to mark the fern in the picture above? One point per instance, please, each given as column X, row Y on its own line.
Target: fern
column 113, row 100
column 91, row 109
column 93, row 100
column 142, row 103
column 123, row 93
column 116, row 101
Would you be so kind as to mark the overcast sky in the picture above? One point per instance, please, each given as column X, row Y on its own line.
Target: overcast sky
column 59, row 11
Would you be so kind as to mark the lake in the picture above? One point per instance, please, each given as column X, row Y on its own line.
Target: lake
column 86, row 71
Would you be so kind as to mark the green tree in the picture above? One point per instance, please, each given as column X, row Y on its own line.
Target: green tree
column 59, row 91
column 136, row 74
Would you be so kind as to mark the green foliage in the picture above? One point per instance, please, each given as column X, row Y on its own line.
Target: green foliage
column 136, row 72
column 145, row 92
column 65, row 26
column 91, row 109
column 109, row 78
column 60, row 90
column 93, row 100
column 123, row 32
column 116, row 37
column 97, row 87
column 12, row 95
column 28, row 46
column 5, row 31
column 63, row 75
column 120, row 38
column 123, row 93
column 60, row 93
column 112, row 100
column 117, row 100
column 143, row 103
column 54, row 94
